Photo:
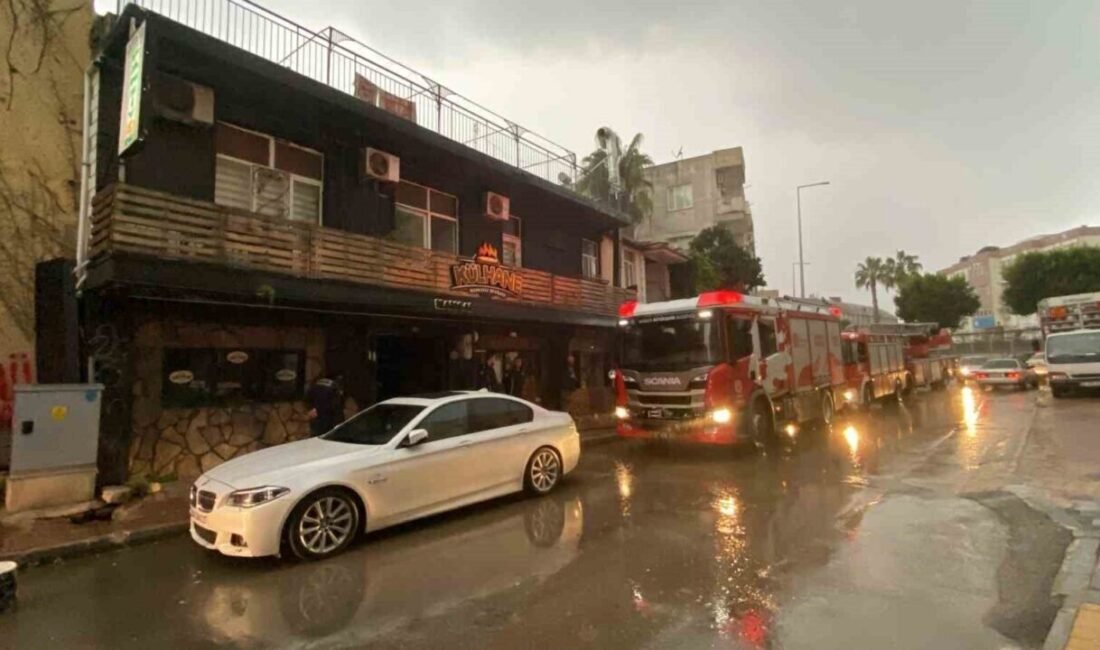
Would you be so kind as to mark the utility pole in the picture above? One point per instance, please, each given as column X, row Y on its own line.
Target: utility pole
column 801, row 264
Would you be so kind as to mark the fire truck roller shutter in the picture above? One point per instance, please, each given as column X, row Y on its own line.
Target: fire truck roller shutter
column 836, row 354
column 800, row 354
column 819, row 352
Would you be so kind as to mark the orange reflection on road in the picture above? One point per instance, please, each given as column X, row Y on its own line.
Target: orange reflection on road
column 851, row 436
column 971, row 410
column 624, row 477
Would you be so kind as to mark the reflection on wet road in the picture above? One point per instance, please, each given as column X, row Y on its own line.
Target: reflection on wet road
column 644, row 547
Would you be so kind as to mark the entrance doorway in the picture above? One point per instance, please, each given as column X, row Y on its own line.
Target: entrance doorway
column 407, row 365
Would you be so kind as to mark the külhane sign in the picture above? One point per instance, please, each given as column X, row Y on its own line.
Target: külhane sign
column 483, row 275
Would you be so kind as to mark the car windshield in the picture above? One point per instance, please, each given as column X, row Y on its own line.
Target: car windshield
column 376, row 425
column 1080, row 347
column 1001, row 364
column 676, row 344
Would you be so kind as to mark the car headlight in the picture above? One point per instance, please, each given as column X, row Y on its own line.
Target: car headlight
column 721, row 416
column 622, row 412
column 255, row 496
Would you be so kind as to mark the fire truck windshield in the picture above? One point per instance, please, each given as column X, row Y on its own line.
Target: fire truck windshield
column 677, row 344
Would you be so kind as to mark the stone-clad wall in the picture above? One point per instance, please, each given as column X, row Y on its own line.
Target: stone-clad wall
column 188, row 441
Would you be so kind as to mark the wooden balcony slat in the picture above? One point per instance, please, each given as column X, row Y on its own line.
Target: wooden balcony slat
column 148, row 222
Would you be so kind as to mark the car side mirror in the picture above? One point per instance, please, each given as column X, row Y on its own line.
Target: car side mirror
column 415, row 437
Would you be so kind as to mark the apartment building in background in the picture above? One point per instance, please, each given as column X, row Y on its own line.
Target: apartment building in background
column 692, row 194
column 983, row 271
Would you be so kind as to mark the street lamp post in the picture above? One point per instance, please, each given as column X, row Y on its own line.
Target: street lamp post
column 794, row 289
column 801, row 264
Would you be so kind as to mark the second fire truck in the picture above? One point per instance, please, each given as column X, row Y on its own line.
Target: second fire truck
column 726, row 367
column 885, row 361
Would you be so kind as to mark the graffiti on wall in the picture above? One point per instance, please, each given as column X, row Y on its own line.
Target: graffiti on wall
column 18, row 370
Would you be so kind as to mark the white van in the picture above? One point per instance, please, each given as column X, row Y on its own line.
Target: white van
column 1073, row 361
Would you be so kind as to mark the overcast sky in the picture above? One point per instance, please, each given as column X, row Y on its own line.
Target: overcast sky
column 943, row 125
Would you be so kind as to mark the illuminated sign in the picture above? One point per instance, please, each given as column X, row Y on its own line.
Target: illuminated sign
column 129, row 129
column 483, row 275
column 452, row 304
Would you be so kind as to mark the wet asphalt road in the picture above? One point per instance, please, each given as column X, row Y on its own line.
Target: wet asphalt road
column 850, row 538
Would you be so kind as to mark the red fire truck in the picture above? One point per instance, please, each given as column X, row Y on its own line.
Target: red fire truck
column 874, row 366
column 928, row 355
column 726, row 367
column 891, row 359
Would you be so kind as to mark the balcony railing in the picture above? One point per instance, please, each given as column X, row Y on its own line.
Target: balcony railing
column 132, row 220
column 334, row 58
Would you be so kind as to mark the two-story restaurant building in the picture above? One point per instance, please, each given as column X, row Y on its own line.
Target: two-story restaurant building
column 268, row 205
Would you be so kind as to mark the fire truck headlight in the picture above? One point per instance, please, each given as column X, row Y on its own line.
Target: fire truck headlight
column 705, row 313
column 964, row 371
column 791, row 430
column 721, row 416
column 622, row 412
column 849, row 395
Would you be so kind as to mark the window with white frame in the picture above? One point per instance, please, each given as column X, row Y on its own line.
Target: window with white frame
column 258, row 173
column 590, row 258
column 512, row 253
column 634, row 272
column 680, row 197
column 630, row 271
column 425, row 218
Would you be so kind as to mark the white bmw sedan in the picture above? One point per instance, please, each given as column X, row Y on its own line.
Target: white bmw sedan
column 398, row 460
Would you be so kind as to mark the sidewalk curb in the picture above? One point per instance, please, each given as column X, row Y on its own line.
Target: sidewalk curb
column 97, row 544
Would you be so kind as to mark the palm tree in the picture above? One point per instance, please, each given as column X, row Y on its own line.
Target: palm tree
column 903, row 265
column 636, row 193
column 871, row 273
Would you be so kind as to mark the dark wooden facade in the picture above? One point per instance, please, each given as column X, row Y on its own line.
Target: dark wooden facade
column 164, row 260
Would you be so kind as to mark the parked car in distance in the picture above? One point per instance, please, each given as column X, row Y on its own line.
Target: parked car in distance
column 1006, row 372
column 398, row 460
column 969, row 364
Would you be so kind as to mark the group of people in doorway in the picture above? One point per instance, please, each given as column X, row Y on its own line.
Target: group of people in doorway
column 501, row 374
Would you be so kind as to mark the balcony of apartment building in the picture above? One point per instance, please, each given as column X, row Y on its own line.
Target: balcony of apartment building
column 274, row 159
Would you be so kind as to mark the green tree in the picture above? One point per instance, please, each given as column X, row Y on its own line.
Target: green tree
column 934, row 298
column 636, row 194
column 719, row 263
column 903, row 265
column 1034, row 276
column 873, row 273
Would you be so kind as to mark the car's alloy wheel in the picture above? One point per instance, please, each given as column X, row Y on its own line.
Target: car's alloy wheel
column 323, row 524
column 543, row 471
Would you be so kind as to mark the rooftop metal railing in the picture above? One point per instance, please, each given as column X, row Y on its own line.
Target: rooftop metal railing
column 334, row 58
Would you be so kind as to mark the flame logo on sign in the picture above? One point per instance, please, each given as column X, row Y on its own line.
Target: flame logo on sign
column 487, row 254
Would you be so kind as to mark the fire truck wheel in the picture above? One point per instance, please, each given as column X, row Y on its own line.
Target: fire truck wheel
column 762, row 422
column 908, row 385
column 895, row 399
column 868, row 397
column 828, row 409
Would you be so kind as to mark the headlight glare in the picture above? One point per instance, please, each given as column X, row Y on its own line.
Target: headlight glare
column 255, row 496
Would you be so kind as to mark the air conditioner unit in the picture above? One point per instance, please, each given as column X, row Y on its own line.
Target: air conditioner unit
column 381, row 166
column 182, row 101
column 496, row 206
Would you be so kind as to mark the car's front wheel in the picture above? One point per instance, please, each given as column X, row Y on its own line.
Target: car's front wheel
column 323, row 524
column 543, row 472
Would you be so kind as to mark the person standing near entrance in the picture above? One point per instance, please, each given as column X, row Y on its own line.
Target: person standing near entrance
column 514, row 377
column 326, row 405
